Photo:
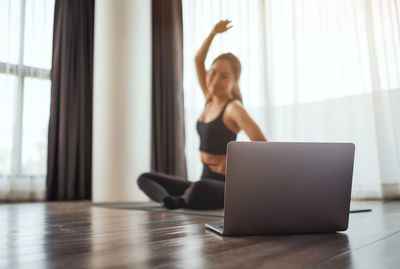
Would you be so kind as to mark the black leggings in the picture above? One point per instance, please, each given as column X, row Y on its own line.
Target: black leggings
column 207, row 193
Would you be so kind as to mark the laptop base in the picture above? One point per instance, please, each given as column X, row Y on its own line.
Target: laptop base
column 216, row 227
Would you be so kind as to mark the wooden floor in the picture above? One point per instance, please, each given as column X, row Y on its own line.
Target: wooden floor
column 77, row 235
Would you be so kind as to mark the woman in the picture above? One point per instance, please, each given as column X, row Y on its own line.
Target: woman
column 223, row 117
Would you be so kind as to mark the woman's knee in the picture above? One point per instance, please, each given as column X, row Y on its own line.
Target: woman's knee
column 198, row 184
column 143, row 179
column 196, row 194
column 205, row 194
column 199, row 187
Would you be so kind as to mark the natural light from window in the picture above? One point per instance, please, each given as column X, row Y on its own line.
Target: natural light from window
column 26, row 30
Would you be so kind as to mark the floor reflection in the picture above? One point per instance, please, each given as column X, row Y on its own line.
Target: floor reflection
column 67, row 234
column 22, row 235
column 190, row 253
column 118, row 239
column 341, row 252
column 280, row 251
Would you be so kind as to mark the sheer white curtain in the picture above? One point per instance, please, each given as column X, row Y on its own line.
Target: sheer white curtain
column 313, row 70
column 26, row 30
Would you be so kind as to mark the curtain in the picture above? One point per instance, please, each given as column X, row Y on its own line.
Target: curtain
column 25, row 60
column 168, row 136
column 70, row 128
column 313, row 70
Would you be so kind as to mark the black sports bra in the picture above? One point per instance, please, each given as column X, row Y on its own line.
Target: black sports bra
column 214, row 135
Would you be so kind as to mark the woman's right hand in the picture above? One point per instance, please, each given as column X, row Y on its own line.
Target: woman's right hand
column 221, row 27
column 218, row 168
column 201, row 55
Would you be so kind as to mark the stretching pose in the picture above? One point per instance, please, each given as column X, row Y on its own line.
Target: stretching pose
column 223, row 117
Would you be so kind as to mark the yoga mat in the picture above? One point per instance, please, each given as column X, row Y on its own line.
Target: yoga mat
column 151, row 206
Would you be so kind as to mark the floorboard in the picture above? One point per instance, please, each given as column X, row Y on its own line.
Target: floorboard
column 78, row 235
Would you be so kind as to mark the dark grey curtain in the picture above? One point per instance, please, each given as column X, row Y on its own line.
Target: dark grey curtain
column 168, row 133
column 69, row 161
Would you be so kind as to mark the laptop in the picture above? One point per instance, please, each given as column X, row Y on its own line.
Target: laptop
column 286, row 188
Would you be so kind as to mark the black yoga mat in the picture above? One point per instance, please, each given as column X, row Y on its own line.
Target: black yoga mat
column 151, row 206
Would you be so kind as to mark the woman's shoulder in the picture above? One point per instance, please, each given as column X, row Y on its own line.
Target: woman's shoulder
column 235, row 107
column 234, row 104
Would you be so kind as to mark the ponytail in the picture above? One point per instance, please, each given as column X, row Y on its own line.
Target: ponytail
column 237, row 94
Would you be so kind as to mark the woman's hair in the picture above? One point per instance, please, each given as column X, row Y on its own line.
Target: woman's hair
column 236, row 68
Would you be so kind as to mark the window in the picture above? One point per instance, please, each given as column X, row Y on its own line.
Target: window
column 26, row 30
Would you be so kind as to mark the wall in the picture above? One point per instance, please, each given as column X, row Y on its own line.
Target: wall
column 122, row 99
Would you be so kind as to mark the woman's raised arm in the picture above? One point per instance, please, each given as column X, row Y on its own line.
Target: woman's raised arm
column 201, row 55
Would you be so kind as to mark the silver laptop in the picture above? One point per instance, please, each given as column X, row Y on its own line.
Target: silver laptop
column 286, row 188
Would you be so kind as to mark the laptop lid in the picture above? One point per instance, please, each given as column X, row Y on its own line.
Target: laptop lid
column 279, row 187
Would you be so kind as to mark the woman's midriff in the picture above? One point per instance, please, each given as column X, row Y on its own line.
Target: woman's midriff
column 216, row 162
